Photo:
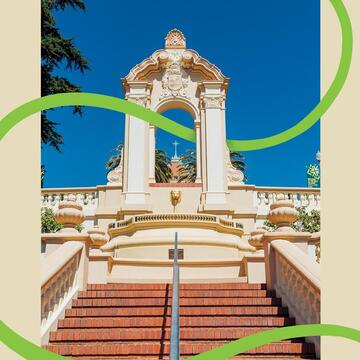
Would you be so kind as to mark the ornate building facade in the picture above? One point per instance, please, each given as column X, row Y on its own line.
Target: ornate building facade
column 129, row 223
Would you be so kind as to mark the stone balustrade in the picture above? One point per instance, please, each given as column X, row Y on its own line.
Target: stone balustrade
column 308, row 197
column 296, row 279
column 62, row 276
column 289, row 269
column 167, row 220
column 85, row 196
column 263, row 196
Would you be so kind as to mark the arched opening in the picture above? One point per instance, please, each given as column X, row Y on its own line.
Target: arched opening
column 177, row 154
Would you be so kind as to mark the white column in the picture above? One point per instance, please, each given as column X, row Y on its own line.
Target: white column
column 152, row 144
column 136, row 175
column 216, row 185
column 198, row 152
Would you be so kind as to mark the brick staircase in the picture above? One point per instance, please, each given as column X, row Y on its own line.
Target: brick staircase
column 132, row 321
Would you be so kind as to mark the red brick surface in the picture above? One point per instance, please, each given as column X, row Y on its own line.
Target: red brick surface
column 186, row 348
column 132, row 321
column 145, row 322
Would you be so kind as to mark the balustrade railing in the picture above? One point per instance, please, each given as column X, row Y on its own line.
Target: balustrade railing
column 295, row 277
column 308, row 197
column 170, row 219
column 87, row 197
column 263, row 197
column 60, row 282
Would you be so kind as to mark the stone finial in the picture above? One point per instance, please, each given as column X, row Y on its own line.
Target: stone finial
column 283, row 214
column 98, row 236
column 256, row 238
column 175, row 39
column 69, row 214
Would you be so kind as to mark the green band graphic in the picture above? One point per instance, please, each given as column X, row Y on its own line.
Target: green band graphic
column 112, row 103
column 30, row 351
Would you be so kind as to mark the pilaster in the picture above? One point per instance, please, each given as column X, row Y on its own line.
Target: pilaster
column 136, row 149
column 213, row 103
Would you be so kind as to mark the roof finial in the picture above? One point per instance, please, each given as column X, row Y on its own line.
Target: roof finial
column 175, row 39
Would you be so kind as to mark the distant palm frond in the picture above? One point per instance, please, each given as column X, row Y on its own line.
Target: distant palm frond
column 162, row 167
column 187, row 167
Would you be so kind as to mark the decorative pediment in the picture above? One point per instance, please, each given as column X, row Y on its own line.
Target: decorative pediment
column 175, row 52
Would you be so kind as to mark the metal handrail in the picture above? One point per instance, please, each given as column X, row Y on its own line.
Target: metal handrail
column 175, row 313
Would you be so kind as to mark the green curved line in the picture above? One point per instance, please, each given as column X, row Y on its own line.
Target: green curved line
column 112, row 103
column 94, row 100
column 30, row 351
column 252, row 341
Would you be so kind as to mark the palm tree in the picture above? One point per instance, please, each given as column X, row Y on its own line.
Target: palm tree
column 162, row 167
column 237, row 161
column 187, row 167
column 114, row 160
column 162, row 164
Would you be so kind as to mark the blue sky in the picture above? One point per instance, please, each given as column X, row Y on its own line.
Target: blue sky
column 270, row 49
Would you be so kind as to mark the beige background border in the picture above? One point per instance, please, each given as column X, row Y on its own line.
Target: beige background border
column 340, row 199
column 20, row 158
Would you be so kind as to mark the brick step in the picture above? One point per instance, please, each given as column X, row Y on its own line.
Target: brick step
column 191, row 286
column 141, row 334
column 184, row 311
column 157, row 348
column 183, row 302
column 149, row 322
column 241, row 357
column 168, row 293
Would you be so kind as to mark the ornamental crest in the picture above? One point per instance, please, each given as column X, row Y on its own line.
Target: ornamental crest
column 173, row 83
column 175, row 40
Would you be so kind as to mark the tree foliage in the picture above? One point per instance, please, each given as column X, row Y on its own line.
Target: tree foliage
column 42, row 174
column 237, row 161
column 162, row 167
column 307, row 222
column 57, row 52
column 187, row 166
column 162, row 163
column 114, row 160
column 49, row 224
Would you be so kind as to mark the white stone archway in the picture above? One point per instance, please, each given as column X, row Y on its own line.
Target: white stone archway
column 179, row 104
column 177, row 77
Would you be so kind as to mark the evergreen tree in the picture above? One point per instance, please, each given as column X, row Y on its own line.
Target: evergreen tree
column 56, row 52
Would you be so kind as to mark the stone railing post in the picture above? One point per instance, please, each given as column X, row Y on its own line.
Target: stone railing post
column 257, row 237
column 69, row 214
column 289, row 268
column 283, row 215
column 98, row 237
